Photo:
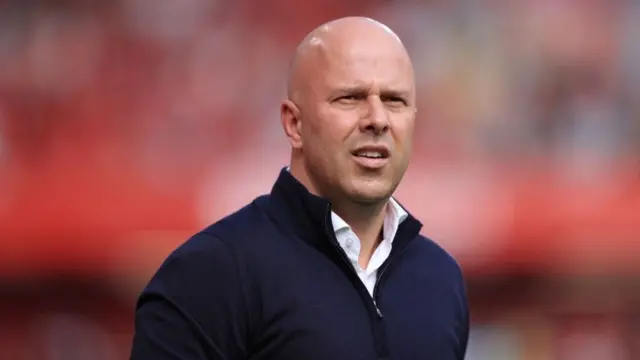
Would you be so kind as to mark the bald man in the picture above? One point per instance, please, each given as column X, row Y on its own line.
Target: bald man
column 328, row 265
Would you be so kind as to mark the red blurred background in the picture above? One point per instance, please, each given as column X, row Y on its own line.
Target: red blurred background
column 127, row 125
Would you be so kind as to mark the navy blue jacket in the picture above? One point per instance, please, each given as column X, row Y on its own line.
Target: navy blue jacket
column 270, row 281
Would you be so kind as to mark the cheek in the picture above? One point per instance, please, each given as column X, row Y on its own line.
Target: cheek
column 311, row 132
column 319, row 145
column 331, row 130
column 403, row 133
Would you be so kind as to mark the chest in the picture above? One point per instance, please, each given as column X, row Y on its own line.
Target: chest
column 316, row 310
column 427, row 321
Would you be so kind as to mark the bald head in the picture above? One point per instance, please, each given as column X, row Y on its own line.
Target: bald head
column 351, row 90
column 329, row 43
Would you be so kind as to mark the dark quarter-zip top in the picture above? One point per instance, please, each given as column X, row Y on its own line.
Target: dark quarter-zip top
column 270, row 281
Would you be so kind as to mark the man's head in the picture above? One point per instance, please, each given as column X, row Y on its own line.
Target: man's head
column 350, row 111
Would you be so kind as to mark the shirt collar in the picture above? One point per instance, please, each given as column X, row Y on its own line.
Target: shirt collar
column 296, row 210
column 395, row 215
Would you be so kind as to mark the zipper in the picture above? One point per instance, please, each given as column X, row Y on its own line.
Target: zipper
column 345, row 258
column 383, row 271
column 378, row 329
column 378, row 309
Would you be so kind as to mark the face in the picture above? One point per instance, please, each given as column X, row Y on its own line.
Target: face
column 356, row 121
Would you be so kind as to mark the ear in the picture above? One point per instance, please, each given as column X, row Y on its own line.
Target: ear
column 291, row 123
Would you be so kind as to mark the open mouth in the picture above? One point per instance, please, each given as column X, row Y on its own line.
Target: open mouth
column 372, row 152
column 371, row 156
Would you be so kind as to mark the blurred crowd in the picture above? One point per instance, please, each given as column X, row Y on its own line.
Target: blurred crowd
column 173, row 91
column 186, row 79
column 183, row 97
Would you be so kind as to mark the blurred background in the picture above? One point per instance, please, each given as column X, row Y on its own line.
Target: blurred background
column 127, row 125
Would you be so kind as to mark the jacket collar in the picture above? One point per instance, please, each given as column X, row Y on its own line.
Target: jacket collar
column 309, row 216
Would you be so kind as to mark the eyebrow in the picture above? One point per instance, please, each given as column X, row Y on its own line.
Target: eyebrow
column 362, row 90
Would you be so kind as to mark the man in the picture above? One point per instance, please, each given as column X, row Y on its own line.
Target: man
column 328, row 265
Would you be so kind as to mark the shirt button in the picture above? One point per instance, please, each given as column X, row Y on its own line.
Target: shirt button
column 349, row 242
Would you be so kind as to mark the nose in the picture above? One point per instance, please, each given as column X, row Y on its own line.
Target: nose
column 376, row 118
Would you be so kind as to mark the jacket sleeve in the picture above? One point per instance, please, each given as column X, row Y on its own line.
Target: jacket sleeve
column 465, row 321
column 195, row 307
column 464, row 336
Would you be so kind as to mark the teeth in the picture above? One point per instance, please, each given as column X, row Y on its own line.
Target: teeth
column 370, row 154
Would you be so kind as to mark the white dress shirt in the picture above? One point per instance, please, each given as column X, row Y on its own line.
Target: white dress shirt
column 349, row 241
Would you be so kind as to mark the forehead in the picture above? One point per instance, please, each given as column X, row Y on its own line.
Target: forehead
column 384, row 65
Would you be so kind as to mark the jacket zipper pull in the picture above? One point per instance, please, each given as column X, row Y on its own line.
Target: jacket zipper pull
column 378, row 310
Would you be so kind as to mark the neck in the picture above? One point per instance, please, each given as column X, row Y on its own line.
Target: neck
column 366, row 220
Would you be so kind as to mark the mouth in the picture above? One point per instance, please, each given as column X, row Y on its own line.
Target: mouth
column 371, row 157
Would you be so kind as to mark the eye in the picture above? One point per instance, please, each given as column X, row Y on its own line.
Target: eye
column 394, row 100
column 348, row 99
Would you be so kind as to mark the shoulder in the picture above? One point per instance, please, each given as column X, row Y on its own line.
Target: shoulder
column 437, row 258
column 205, row 265
column 241, row 225
column 215, row 247
column 193, row 263
column 200, row 290
column 440, row 267
column 221, row 246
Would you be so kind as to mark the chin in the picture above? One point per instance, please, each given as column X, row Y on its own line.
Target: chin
column 369, row 192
